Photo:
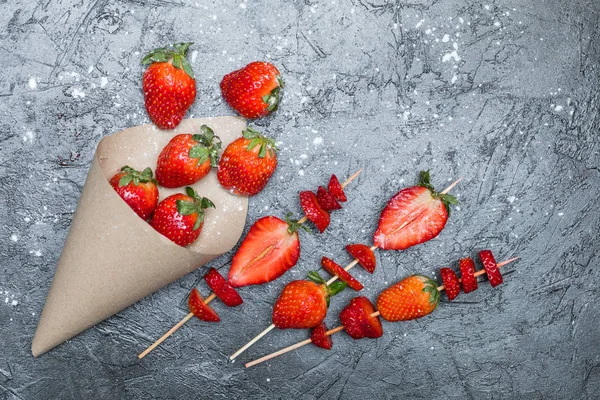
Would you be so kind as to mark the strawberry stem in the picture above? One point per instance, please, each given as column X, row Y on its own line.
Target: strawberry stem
column 256, row 138
column 196, row 206
column 447, row 199
column 135, row 176
column 207, row 149
column 177, row 54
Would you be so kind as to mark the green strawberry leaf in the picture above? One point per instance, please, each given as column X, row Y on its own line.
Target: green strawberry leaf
column 263, row 151
column 200, row 152
column 336, row 287
column 315, row 277
column 206, row 203
column 186, row 207
column 125, row 180
column 191, row 192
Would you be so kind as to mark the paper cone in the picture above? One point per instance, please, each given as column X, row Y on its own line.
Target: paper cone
column 112, row 258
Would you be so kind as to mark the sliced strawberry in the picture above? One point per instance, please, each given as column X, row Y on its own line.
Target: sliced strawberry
column 467, row 274
column 357, row 320
column 326, row 200
column 319, row 337
column 335, row 269
column 491, row 268
column 414, row 215
column 335, row 189
column 450, row 282
column 314, row 211
column 364, row 255
column 270, row 248
column 200, row 309
column 222, row 288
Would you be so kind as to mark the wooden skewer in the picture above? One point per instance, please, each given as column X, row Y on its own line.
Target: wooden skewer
column 330, row 281
column 341, row 328
column 212, row 296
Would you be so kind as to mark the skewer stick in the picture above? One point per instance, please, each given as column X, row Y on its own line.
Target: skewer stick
column 341, row 327
column 212, row 296
column 449, row 188
column 482, row 271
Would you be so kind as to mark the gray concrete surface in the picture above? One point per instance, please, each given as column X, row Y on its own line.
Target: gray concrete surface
column 504, row 93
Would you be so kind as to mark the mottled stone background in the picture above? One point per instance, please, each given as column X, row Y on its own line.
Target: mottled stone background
column 503, row 93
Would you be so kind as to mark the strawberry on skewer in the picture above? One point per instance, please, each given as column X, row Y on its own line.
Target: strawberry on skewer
column 358, row 312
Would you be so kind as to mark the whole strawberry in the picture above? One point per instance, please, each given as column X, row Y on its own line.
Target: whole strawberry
column 303, row 304
column 247, row 163
column 411, row 298
column 188, row 158
column 180, row 218
column 169, row 85
column 253, row 91
column 138, row 189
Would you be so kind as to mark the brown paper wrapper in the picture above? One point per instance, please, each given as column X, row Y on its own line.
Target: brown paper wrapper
column 112, row 258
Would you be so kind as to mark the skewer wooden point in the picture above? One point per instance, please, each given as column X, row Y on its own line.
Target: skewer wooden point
column 250, row 343
column 353, row 177
column 449, row 188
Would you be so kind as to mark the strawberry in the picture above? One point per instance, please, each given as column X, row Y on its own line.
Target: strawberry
column 188, row 158
column 335, row 269
column 314, row 211
column 138, row 189
column 336, row 189
column 411, row 298
column 450, row 282
column 248, row 163
column 320, row 338
column 200, row 309
column 253, row 91
column 270, row 248
column 222, row 288
column 467, row 274
column 303, row 304
column 357, row 319
column 327, row 201
column 413, row 216
column 364, row 255
column 180, row 218
column 491, row 268
column 169, row 85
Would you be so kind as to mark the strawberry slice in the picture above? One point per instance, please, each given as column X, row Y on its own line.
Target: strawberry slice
column 357, row 320
column 336, row 189
column 335, row 269
column 270, row 248
column 450, row 282
column 364, row 255
column 319, row 337
column 467, row 274
column 222, row 288
column 491, row 268
column 200, row 309
column 414, row 215
column 326, row 200
column 313, row 210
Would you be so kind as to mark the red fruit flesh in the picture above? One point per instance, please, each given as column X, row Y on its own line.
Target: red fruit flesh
column 491, row 268
column 327, row 201
column 319, row 337
column 467, row 271
column 142, row 198
column 335, row 269
column 200, row 309
column 335, row 189
column 301, row 305
column 450, row 282
column 357, row 320
column 313, row 210
column 364, row 255
column 411, row 217
column 266, row 253
column 222, row 289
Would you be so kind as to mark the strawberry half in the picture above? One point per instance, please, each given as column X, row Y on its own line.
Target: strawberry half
column 313, row 210
column 222, row 289
column 188, row 158
column 335, row 189
column 200, row 309
column 270, row 248
column 138, row 189
column 411, row 298
column 491, row 268
column 327, row 201
column 319, row 337
column 169, row 85
column 467, row 274
column 450, row 282
column 357, row 320
column 414, row 215
column 253, row 91
column 364, row 255
column 335, row 269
